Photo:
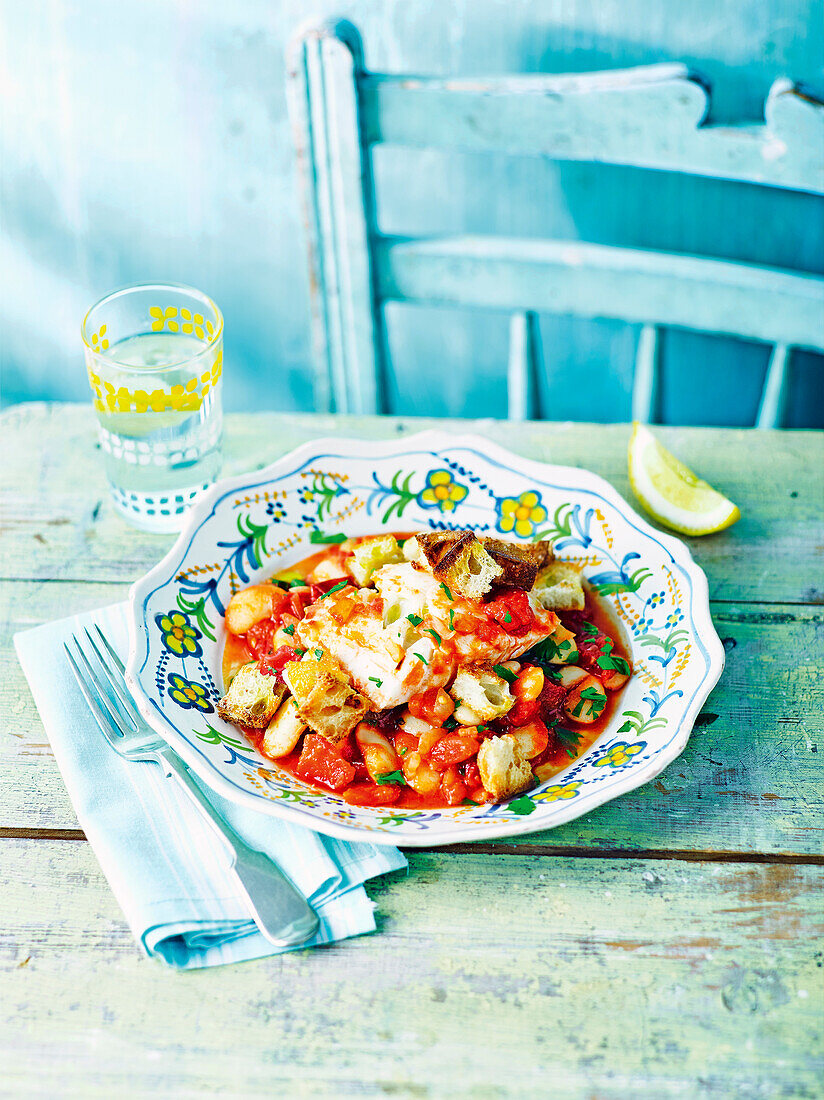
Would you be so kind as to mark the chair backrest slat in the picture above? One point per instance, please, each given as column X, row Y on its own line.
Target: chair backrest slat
column 588, row 280
column 649, row 117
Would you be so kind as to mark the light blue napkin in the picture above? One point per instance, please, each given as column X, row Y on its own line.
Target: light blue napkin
column 164, row 864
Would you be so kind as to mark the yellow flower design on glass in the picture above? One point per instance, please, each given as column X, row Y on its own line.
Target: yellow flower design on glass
column 99, row 341
column 441, row 491
column 179, row 636
column 189, row 695
column 184, row 321
column 521, row 515
column 620, row 753
column 556, row 791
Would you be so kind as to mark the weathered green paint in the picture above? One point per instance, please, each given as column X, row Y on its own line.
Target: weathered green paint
column 595, row 975
column 58, row 523
column 537, row 977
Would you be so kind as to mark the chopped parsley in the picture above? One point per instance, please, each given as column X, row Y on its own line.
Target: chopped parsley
column 611, row 662
column 452, row 618
column 548, row 651
column 570, row 740
column 416, row 620
column 318, row 537
column 505, row 673
column 375, row 680
column 434, row 633
column 392, row 777
column 469, row 802
column 335, row 588
column 450, row 723
column 595, row 698
column 298, row 582
column 423, row 659
column 588, row 628
column 290, row 629
column 319, row 654
column 507, row 618
column 449, row 595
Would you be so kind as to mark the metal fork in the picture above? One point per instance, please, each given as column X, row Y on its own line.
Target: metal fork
column 279, row 910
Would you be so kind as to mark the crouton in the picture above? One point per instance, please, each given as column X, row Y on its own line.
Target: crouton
column 372, row 554
column 284, row 730
column 483, row 695
column 558, row 587
column 325, row 699
column 519, row 562
column 252, row 697
column 457, row 559
column 504, row 769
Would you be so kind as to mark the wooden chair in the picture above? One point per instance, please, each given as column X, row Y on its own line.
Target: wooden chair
column 650, row 117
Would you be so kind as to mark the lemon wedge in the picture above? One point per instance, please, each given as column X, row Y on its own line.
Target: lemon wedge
column 671, row 492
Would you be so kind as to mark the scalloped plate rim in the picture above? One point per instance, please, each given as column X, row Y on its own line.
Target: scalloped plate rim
column 448, row 832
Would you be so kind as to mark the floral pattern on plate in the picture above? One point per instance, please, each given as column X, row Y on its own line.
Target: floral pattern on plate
column 249, row 527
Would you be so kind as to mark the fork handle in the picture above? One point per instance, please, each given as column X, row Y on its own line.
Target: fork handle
column 279, row 910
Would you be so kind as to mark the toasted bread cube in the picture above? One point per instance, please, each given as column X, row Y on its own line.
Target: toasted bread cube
column 284, row 730
column 324, row 697
column 371, row 555
column 458, row 559
column 558, row 587
column 483, row 695
column 252, row 697
column 504, row 769
column 519, row 562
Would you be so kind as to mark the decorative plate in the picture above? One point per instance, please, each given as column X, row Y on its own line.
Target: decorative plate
column 246, row 528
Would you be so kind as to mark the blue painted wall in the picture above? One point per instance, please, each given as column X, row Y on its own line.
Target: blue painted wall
column 149, row 140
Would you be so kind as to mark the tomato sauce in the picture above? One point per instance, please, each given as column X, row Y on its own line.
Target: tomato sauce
column 567, row 739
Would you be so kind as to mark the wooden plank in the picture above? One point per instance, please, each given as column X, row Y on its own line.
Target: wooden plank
column 749, row 780
column 323, row 67
column 603, row 281
column 603, row 978
column 57, row 521
column 650, row 117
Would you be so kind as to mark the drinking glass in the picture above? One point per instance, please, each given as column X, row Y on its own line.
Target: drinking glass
column 154, row 355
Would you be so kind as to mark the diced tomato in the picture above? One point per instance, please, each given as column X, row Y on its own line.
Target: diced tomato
column 280, row 599
column 551, row 700
column 511, row 610
column 347, row 748
column 523, row 711
column 259, row 638
column 370, row 794
column 274, row 664
column 298, row 602
column 453, row 788
column 433, row 706
column 452, row 749
column 470, row 773
column 319, row 762
column 320, row 588
column 405, row 743
column 590, row 648
column 488, row 632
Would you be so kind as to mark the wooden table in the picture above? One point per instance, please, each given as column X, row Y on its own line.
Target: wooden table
column 665, row 945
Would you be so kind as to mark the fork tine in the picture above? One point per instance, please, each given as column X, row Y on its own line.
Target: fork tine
column 121, row 668
column 105, row 723
column 115, row 679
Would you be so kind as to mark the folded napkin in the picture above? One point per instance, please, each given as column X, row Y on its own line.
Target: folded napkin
column 164, row 864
